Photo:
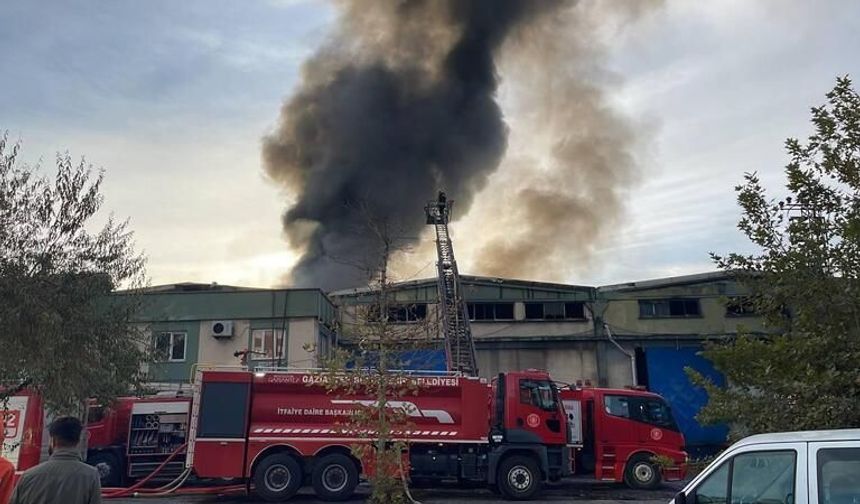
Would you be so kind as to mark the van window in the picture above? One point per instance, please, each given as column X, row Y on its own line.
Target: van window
column 763, row 477
column 839, row 476
column 715, row 489
column 750, row 478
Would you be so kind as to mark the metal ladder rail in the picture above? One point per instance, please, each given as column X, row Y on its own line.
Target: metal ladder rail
column 459, row 346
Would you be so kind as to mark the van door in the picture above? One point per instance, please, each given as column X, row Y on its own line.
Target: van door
column 834, row 472
column 773, row 473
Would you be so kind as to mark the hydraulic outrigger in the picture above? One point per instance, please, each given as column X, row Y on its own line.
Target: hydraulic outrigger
column 459, row 346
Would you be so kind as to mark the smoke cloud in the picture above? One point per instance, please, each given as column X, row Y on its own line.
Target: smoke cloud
column 402, row 102
column 559, row 194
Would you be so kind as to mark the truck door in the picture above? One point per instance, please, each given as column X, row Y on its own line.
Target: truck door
column 536, row 416
column 218, row 444
column 614, row 423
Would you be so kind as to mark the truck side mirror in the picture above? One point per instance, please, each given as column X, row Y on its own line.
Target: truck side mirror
column 680, row 498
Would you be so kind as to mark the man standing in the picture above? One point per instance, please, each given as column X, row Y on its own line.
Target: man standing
column 7, row 478
column 63, row 479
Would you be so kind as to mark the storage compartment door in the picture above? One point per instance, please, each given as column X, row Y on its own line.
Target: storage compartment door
column 220, row 446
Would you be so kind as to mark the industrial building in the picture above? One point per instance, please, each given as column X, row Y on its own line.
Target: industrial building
column 193, row 324
column 637, row 333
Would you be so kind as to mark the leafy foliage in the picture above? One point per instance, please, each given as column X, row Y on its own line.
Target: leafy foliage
column 63, row 332
column 804, row 283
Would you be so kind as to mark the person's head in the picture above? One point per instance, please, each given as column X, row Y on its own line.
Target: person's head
column 65, row 432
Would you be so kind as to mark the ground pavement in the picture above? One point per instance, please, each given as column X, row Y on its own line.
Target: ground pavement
column 582, row 491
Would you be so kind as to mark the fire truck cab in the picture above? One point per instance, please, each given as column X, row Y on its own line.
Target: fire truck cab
column 621, row 433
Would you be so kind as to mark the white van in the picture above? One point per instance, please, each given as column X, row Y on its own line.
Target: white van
column 816, row 467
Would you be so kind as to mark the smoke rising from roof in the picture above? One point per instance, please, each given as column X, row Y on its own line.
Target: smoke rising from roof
column 401, row 102
column 572, row 158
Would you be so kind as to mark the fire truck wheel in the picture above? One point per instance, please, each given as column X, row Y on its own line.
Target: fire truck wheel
column 278, row 477
column 519, row 477
column 641, row 473
column 334, row 477
column 108, row 466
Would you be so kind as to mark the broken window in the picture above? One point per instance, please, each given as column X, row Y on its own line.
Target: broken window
column 491, row 311
column 663, row 308
column 555, row 310
column 407, row 313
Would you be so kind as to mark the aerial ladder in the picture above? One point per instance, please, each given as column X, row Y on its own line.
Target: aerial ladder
column 459, row 346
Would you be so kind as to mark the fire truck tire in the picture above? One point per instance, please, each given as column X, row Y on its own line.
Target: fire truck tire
column 642, row 473
column 334, row 477
column 278, row 477
column 519, row 477
column 109, row 467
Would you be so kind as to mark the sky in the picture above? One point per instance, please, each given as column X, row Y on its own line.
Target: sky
column 172, row 99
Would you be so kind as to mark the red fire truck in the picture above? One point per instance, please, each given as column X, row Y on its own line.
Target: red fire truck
column 132, row 437
column 22, row 424
column 281, row 429
column 619, row 434
column 126, row 441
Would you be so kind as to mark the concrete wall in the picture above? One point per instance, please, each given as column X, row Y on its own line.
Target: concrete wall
column 566, row 361
column 622, row 311
column 302, row 333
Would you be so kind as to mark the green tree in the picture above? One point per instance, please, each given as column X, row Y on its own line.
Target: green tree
column 804, row 283
column 64, row 333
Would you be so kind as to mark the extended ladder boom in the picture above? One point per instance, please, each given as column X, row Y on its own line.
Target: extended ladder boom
column 459, row 347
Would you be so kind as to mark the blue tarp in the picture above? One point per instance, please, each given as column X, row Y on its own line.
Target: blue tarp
column 666, row 377
column 424, row 360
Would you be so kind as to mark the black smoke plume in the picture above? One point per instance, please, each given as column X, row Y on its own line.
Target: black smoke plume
column 399, row 103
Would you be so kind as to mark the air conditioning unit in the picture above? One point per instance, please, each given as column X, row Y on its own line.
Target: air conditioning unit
column 222, row 329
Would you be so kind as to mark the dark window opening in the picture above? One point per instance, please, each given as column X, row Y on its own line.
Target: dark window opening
column 534, row 311
column 491, row 311
column 553, row 311
column 557, row 310
column 574, row 310
column 679, row 307
column 400, row 312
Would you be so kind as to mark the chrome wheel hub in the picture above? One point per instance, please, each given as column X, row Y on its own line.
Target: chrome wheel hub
column 519, row 478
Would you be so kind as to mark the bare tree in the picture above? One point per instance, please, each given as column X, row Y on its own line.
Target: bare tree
column 370, row 364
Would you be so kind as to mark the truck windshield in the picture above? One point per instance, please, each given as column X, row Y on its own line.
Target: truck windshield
column 538, row 393
column 650, row 410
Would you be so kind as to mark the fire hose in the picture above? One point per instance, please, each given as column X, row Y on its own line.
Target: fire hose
column 173, row 487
